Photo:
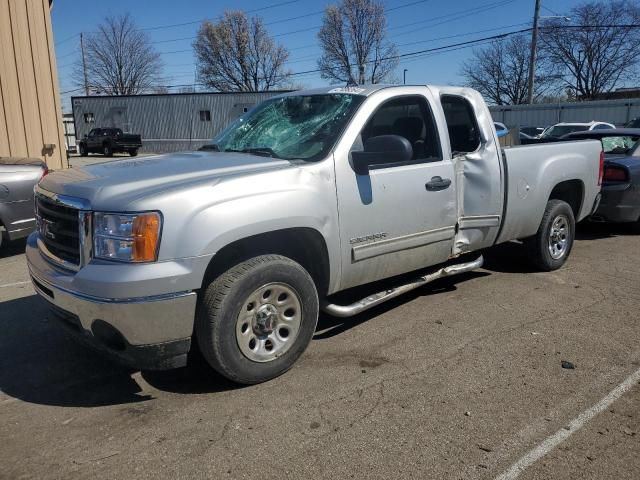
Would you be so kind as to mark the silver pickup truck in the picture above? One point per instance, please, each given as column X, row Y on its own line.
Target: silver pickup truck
column 311, row 193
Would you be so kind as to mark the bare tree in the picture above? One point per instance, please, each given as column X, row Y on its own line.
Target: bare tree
column 120, row 59
column 601, row 53
column 500, row 71
column 354, row 42
column 237, row 54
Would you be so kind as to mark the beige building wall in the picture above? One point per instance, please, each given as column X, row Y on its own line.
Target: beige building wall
column 30, row 112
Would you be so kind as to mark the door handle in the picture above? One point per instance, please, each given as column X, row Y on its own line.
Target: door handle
column 437, row 183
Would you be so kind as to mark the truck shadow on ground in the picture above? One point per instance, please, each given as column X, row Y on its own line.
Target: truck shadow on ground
column 11, row 249
column 597, row 231
column 40, row 363
column 512, row 257
column 329, row 326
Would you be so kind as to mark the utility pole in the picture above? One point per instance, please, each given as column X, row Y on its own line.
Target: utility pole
column 84, row 67
column 534, row 52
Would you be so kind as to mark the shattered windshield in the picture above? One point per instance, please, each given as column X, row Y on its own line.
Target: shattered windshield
column 618, row 145
column 294, row 127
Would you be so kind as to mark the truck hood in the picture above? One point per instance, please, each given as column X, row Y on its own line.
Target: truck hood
column 116, row 183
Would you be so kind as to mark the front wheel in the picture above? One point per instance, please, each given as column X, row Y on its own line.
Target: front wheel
column 551, row 245
column 107, row 151
column 83, row 150
column 256, row 319
column 133, row 152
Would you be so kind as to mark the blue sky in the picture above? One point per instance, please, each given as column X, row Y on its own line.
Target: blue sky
column 412, row 24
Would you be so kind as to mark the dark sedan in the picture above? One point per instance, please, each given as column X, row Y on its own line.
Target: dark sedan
column 17, row 179
column 621, row 177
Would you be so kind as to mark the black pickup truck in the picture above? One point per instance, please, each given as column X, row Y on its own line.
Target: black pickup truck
column 108, row 141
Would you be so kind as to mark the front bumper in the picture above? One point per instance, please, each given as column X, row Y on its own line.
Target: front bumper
column 148, row 332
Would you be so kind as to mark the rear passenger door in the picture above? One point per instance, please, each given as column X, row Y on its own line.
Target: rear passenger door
column 399, row 217
column 476, row 156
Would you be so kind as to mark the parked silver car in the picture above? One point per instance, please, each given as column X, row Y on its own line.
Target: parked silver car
column 18, row 176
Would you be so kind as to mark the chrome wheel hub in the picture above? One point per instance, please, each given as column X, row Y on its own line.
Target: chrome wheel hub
column 268, row 322
column 558, row 237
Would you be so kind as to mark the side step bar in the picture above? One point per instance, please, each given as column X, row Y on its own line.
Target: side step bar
column 371, row 301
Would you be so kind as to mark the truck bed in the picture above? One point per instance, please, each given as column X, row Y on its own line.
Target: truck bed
column 528, row 170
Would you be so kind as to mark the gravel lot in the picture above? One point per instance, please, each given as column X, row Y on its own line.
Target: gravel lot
column 461, row 379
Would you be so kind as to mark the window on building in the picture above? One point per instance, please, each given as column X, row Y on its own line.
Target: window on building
column 205, row 115
column 88, row 118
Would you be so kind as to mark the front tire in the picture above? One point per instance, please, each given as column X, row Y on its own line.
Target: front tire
column 133, row 152
column 551, row 246
column 83, row 151
column 107, row 151
column 256, row 319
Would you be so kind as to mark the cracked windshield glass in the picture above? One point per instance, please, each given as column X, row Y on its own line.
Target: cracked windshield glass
column 301, row 127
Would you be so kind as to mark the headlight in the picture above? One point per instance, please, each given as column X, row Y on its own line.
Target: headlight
column 127, row 237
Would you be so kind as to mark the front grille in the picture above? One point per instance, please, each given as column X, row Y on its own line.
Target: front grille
column 58, row 226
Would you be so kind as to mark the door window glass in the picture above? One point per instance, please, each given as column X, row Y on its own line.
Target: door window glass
column 461, row 124
column 409, row 117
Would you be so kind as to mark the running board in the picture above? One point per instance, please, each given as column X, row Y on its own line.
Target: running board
column 371, row 301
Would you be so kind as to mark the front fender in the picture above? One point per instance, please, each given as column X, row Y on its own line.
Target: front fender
column 201, row 221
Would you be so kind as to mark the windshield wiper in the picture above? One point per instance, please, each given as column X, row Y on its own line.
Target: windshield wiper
column 262, row 151
column 209, row 147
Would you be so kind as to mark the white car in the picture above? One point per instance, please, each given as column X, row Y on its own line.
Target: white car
column 560, row 129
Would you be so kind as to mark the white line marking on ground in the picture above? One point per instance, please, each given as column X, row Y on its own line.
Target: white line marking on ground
column 551, row 442
column 15, row 284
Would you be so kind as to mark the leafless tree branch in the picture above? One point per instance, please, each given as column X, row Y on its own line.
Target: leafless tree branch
column 119, row 58
column 598, row 57
column 354, row 43
column 500, row 71
column 237, row 54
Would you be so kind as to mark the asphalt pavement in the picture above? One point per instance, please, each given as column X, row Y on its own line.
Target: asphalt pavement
column 462, row 379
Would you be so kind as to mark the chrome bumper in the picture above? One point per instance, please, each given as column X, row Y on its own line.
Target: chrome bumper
column 140, row 321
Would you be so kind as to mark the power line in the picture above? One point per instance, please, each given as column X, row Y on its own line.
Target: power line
column 551, row 11
column 267, row 7
column 66, row 39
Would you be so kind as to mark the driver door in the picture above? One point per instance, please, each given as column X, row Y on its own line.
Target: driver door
column 398, row 217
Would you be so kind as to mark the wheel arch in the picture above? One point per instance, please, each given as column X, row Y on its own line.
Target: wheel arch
column 304, row 245
column 571, row 192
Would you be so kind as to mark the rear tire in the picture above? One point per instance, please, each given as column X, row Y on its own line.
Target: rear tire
column 551, row 246
column 256, row 319
column 133, row 152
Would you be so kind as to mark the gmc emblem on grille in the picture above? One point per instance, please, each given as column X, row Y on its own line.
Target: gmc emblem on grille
column 45, row 229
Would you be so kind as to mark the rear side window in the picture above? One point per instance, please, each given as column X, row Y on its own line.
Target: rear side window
column 411, row 118
column 461, row 124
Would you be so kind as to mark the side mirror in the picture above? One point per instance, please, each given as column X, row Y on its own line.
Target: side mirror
column 85, row 136
column 381, row 150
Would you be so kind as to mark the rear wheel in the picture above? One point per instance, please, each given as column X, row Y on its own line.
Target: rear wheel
column 256, row 319
column 552, row 244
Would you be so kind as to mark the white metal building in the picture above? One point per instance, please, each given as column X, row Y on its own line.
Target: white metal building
column 167, row 122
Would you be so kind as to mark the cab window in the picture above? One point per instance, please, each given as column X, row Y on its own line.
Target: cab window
column 409, row 117
column 464, row 134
